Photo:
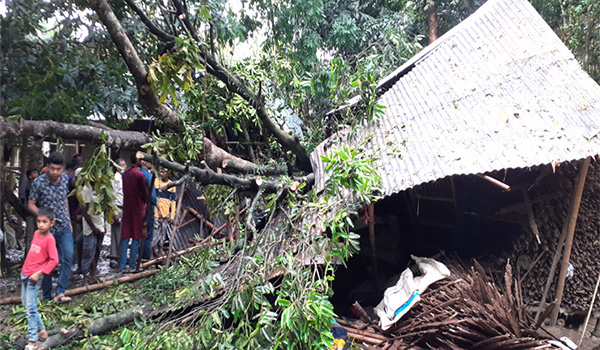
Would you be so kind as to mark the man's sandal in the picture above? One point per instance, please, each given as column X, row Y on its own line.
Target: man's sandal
column 61, row 298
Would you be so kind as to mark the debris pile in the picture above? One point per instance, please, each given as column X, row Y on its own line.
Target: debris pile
column 465, row 311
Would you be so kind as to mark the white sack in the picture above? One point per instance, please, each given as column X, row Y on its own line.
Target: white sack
column 397, row 300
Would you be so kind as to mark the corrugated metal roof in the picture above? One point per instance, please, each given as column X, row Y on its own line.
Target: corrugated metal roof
column 498, row 91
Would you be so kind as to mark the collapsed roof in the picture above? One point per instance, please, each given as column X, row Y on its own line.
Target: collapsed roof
column 498, row 91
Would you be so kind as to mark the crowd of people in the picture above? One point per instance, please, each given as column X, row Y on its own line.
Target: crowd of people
column 69, row 234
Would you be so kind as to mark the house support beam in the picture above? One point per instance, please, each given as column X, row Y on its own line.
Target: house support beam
column 572, row 220
column 496, row 182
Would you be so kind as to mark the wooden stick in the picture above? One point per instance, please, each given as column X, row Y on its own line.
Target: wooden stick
column 562, row 276
column 129, row 278
column 200, row 217
column 365, row 339
column 187, row 223
column 530, row 217
column 363, row 333
column 364, row 316
column 587, row 318
column 175, row 228
column 371, row 214
column 176, row 254
column 495, row 182
column 532, row 266
column 91, row 287
column 436, row 199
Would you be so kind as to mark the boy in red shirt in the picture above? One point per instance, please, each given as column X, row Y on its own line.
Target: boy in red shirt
column 41, row 259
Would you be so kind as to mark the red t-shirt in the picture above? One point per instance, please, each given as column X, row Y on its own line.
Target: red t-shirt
column 42, row 255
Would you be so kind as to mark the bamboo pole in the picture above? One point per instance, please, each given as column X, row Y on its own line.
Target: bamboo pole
column 91, row 287
column 495, row 182
column 560, row 287
column 128, row 278
column 175, row 228
column 587, row 318
column 559, row 248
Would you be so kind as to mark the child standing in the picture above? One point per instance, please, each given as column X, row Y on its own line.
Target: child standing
column 41, row 259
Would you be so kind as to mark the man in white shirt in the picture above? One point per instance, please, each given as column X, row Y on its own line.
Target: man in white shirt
column 115, row 226
column 93, row 234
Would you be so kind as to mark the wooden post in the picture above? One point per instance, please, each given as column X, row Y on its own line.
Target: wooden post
column 175, row 225
column 560, row 287
column 371, row 215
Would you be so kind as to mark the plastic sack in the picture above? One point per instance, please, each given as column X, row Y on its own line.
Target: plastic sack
column 397, row 300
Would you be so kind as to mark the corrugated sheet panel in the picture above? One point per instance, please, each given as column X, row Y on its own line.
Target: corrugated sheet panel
column 498, row 91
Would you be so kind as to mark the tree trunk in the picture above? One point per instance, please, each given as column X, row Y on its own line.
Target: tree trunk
column 97, row 327
column 146, row 95
column 432, row 19
column 41, row 128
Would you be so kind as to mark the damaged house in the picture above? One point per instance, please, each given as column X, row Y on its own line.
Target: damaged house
column 484, row 136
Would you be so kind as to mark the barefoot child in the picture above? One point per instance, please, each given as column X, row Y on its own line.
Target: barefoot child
column 41, row 259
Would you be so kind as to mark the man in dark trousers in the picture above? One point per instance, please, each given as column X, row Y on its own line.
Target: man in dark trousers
column 135, row 193
column 51, row 190
column 146, row 169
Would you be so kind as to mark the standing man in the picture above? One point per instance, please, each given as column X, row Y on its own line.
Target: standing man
column 51, row 190
column 165, row 211
column 146, row 169
column 115, row 226
column 75, row 213
column 135, row 193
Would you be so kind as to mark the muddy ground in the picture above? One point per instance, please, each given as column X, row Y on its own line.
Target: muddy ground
column 10, row 286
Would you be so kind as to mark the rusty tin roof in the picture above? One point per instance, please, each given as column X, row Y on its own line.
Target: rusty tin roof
column 500, row 90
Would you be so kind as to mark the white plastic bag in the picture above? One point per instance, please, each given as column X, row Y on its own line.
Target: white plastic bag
column 397, row 300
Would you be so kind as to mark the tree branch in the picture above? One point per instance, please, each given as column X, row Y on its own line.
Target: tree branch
column 209, row 177
column 154, row 29
column 41, row 128
column 146, row 95
column 217, row 157
column 236, row 86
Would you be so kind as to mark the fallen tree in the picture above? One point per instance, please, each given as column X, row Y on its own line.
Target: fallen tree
column 97, row 327
column 47, row 128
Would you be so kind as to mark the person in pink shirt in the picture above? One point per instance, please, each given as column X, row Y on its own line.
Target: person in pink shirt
column 41, row 259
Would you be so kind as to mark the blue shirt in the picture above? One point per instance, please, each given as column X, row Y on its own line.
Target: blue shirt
column 148, row 176
column 46, row 194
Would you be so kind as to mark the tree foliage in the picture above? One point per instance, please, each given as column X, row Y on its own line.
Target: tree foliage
column 58, row 64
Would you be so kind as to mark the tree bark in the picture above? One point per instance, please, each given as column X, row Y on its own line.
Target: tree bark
column 146, row 95
column 43, row 128
column 209, row 177
column 217, row 157
column 10, row 198
column 98, row 327
column 432, row 19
